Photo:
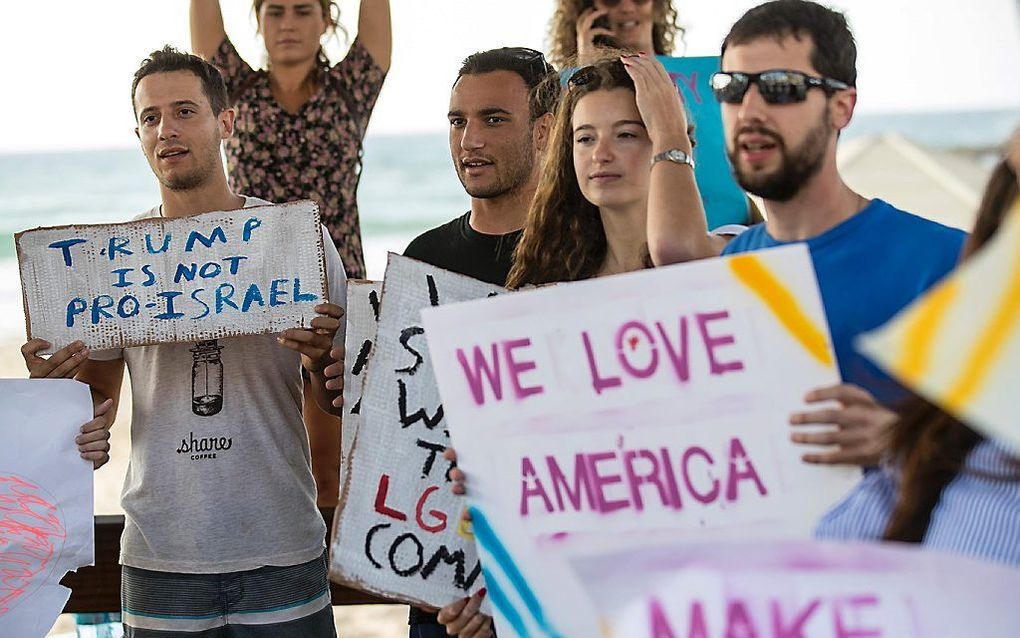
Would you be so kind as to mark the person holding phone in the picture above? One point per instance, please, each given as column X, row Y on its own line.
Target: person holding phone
column 580, row 27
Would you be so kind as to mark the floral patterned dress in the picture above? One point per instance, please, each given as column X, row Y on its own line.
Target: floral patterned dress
column 312, row 154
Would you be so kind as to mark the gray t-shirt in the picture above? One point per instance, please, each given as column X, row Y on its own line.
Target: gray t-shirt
column 219, row 478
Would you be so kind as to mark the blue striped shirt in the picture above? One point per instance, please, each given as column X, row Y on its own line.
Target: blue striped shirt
column 978, row 514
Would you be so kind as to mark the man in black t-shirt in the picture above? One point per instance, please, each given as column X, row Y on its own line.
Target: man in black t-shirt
column 500, row 115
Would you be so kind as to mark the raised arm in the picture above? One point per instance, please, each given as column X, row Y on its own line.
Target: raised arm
column 374, row 30
column 677, row 229
column 207, row 31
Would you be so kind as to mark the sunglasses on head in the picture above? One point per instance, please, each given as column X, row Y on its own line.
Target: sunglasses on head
column 530, row 56
column 778, row 86
column 588, row 74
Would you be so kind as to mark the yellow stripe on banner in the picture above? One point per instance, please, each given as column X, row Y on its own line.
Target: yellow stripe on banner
column 919, row 336
column 989, row 345
column 754, row 274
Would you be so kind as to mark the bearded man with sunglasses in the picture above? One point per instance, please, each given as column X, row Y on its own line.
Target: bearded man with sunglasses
column 787, row 89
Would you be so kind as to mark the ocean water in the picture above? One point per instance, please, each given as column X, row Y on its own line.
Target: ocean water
column 408, row 185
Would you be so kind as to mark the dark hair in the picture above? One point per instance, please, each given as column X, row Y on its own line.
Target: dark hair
column 931, row 445
column 833, row 52
column 330, row 14
column 563, row 238
column 539, row 76
column 169, row 59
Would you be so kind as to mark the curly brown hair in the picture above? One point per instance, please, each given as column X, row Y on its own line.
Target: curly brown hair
column 563, row 29
column 563, row 238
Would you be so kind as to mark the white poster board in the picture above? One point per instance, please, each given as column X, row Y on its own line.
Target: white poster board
column 362, row 315
column 46, row 526
column 398, row 530
column 622, row 409
column 959, row 344
column 798, row 589
column 220, row 274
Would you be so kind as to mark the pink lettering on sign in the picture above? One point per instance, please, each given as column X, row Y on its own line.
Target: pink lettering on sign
column 639, row 479
column 484, row 370
column 638, row 357
column 688, row 81
column 711, row 343
column 766, row 617
column 31, row 532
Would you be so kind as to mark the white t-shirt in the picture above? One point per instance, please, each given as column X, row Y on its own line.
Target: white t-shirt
column 219, row 478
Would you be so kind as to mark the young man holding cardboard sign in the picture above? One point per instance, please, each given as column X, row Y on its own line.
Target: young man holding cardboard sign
column 199, row 553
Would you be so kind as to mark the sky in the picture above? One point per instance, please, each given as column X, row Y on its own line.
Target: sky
column 67, row 64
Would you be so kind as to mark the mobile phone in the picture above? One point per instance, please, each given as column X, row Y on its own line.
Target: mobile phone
column 605, row 40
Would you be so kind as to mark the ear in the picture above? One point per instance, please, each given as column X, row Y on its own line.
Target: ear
column 138, row 134
column 540, row 131
column 225, row 121
column 842, row 108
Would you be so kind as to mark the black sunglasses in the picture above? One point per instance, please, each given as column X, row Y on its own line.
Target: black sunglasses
column 531, row 57
column 778, row 86
column 588, row 74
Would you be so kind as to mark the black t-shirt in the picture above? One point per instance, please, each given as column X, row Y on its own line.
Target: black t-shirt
column 457, row 247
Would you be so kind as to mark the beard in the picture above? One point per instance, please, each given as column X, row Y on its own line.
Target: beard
column 195, row 177
column 796, row 167
column 512, row 172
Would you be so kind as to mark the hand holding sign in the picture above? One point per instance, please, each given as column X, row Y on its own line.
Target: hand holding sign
column 314, row 343
column 862, row 426
column 62, row 364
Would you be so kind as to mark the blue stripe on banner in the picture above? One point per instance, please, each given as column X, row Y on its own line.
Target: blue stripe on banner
column 487, row 537
column 501, row 602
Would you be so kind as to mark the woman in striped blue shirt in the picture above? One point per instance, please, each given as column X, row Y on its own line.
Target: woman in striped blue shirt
column 945, row 486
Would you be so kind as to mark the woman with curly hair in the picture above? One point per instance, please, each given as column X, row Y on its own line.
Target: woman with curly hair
column 580, row 27
column 618, row 158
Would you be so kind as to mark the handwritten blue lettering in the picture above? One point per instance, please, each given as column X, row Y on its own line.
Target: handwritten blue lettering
column 249, row 226
column 275, row 293
column 216, row 235
column 122, row 281
column 75, row 307
column 123, row 306
column 300, row 296
column 65, row 247
column 194, row 295
column 224, row 297
column 151, row 250
column 253, row 295
column 210, row 270
column 99, row 306
column 150, row 276
column 233, row 262
column 169, row 296
column 118, row 245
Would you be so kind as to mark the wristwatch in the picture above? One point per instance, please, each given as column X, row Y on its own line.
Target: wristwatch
column 674, row 155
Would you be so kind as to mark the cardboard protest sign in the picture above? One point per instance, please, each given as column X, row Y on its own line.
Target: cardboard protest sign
column 362, row 314
column 398, row 530
column 652, row 403
column 220, row 274
column 802, row 588
column 725, row 202
column 46, row 526
column 959, row 345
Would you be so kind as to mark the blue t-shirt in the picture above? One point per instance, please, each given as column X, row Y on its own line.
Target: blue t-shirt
column 870, row 267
